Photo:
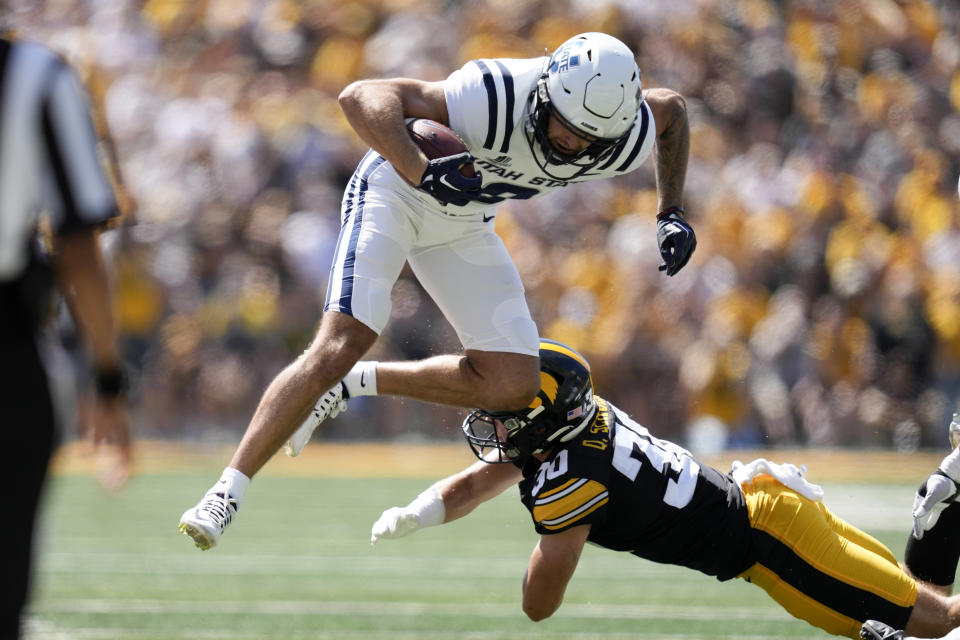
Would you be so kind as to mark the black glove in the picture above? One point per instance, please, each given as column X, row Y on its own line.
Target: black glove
column 676, row 240
column 442, row 179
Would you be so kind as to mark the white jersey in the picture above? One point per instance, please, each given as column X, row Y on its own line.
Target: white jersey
column 489, row 103
column 454, row 250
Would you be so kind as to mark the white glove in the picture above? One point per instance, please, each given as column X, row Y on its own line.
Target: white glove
column 940, row 492
column 936, row 494
column 395, row 522
column 426, row 510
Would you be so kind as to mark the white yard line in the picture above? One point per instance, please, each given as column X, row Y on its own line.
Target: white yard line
column 366, row 608
column 112, row 633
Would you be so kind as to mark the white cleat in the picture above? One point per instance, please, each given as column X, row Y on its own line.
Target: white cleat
column 206, row 521
column 876, row 630
column 330, row 405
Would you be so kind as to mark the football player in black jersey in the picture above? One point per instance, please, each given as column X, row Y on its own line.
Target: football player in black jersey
column 587, row 471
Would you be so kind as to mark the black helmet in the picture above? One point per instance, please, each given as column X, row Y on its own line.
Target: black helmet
column 562, row 408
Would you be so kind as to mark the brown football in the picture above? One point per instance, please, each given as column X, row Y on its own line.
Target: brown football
column 438, row 141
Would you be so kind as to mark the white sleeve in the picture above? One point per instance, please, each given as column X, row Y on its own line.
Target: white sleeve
column 485, row 99
column 467, row 104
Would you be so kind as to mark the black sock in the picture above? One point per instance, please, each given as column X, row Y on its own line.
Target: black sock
column 934, row 557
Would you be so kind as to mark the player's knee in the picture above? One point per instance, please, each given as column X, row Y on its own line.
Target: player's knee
column 323, row 371
column 536, row 614
column 520, row 394
column 327, row 364
column 505, row 382
column 953, row 610
column 340, row 342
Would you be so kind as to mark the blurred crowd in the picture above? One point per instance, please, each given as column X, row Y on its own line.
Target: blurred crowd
column 821, row 308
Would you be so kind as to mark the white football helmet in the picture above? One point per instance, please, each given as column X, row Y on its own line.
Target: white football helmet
column 591, row 84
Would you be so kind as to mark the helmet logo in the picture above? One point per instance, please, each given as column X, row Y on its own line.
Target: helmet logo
column 548, row 387
column 564, row 59
column 563, row 408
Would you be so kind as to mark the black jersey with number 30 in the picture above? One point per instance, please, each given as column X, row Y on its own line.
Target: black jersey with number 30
column 640, row 494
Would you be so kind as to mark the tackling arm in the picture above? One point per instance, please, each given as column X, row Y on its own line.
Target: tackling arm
column 552, row 564
column 376, row 109
column 479, row 482
column 447, row 500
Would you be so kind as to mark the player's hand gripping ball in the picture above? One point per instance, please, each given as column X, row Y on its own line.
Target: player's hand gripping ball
column 450, row 176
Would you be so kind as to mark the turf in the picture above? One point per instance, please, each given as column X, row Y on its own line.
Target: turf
column 297, row 563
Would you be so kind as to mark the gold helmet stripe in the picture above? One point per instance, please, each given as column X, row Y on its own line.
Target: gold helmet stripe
column 559, row 348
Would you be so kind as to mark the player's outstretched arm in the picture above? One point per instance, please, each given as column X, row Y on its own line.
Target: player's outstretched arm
column 552, row 564
column 447, row 500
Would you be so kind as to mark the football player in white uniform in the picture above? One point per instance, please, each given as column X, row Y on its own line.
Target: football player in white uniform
column 531, row 127
column 586, row 471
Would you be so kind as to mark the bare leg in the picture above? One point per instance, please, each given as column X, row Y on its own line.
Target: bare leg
column 496, row 381
column 340, row 342
column 491, row 380
column 942, row 589
column 934, row 615
column 488, row 379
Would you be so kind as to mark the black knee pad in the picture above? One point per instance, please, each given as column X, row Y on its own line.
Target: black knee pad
column 934, row 557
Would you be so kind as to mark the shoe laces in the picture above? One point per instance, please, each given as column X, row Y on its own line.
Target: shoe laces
column 331, row 403
column 221, row 508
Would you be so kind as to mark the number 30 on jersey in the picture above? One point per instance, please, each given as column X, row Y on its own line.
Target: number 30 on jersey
column 633, row 445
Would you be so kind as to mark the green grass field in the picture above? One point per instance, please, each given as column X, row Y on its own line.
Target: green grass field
column 297, row 563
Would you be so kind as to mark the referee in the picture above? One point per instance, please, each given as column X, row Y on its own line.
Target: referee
column 51, row 177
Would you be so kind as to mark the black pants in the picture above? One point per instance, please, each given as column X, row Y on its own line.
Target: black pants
column 26, row 443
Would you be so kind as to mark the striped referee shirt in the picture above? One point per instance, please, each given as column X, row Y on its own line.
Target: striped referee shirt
column 49, row 162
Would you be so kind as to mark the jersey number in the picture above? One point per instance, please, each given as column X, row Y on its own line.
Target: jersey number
column 631, row 449
column 499, row 191
column 549, row 471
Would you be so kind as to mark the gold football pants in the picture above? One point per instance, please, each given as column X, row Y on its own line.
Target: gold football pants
column 820, row 568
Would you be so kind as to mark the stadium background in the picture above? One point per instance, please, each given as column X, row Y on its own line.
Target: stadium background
column 822, row 307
